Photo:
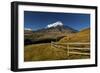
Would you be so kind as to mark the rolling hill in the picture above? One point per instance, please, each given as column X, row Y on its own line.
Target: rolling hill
column 82, row 36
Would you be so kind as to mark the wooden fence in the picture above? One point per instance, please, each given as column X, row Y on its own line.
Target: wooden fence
column 68, row 47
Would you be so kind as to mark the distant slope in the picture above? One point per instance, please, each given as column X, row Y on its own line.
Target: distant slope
column 82, row 36
column 26, row 32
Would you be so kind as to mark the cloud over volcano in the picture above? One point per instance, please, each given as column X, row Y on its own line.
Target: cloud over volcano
column 58, row 23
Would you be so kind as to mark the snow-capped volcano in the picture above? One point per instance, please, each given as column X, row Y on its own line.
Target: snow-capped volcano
column 58, row 23
column 52, row 32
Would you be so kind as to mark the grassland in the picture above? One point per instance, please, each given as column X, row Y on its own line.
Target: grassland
column 44, row 51
column 38, row 52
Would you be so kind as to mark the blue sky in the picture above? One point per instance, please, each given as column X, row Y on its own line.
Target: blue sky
column 39, row 20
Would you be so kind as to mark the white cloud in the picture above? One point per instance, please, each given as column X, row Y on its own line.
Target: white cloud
column 55, row 24
column 28, row 29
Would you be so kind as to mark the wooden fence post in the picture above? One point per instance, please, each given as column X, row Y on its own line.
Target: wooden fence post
column 67, row 49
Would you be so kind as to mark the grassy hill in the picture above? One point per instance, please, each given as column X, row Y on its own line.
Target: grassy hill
column 82, row 36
